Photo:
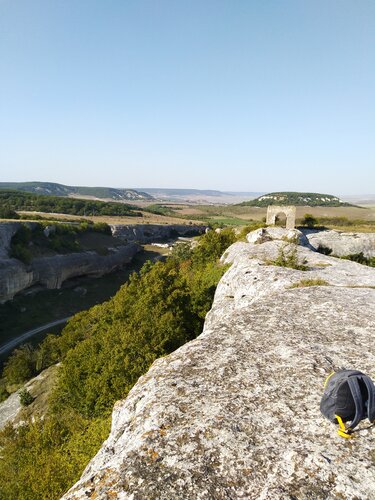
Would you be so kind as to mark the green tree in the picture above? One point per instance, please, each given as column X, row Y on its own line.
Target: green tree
column 21, row 365
column 309, row 220
column 25, row 397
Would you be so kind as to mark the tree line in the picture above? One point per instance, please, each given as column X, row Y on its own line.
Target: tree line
column 12, row 201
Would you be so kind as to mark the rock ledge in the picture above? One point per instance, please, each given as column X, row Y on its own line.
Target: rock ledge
column 235, row 413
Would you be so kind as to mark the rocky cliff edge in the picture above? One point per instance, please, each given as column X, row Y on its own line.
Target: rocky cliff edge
column 235, row 413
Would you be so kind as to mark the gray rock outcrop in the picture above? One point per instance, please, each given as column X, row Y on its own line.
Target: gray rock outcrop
column 147, row 233
column 342, row 243
column 235, row 413
column 52, row 271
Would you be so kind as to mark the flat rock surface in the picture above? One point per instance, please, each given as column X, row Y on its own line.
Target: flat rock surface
column 342, row 243
column 235, row 413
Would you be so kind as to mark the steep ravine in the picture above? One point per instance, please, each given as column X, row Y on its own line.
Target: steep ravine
column 235, row 413
column 52, row 271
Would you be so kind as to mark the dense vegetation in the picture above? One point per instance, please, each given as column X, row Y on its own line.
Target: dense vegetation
column 19, row 200
column 288, row 257
column 161, row 209
column 103, row 352
column 339, row 221
column 54, row 189
column 295, row 198
column 361, row 259
column 61, row 238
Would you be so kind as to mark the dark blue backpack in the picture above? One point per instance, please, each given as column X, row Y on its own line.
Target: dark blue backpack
column 349, row 395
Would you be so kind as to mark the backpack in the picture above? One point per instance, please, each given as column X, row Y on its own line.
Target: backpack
column 349, row 395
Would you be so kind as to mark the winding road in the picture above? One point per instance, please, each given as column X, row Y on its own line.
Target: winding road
column 14, row 342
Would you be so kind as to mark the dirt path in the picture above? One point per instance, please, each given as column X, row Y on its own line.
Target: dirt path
column 21, row 338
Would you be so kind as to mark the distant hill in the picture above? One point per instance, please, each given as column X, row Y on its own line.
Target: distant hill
column 189, row 192
column 199, row 195
column 12, row 201
column 54, row 189
column 295, row 198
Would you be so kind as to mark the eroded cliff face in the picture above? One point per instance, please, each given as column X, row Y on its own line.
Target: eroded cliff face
column 235, row 413
column 52, row 271
column 147, row 233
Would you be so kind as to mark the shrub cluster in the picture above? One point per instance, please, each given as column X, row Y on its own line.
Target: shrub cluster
column 288, row 257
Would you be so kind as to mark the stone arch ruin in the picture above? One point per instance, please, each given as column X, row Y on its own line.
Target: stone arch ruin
column 290, row 213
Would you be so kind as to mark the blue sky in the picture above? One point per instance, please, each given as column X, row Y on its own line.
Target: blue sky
column 233, row 95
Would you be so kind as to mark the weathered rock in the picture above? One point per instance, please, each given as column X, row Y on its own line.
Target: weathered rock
column 342, row 243
column 11, row 410
column 52, row 271
column 235, row 413
column 147, row 233
column 262, row 235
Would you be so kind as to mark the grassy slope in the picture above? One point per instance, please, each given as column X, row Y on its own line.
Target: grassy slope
column 55, row 189
column 295, row 198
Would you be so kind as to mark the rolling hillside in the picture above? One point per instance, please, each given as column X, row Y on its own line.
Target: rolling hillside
column 12, row 201
column 54, row 189
column 298, row 199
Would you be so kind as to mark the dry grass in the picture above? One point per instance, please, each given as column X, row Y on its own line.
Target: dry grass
column 235, row 215
column 310, row 282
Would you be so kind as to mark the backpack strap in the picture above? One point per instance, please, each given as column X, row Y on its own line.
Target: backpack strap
column 357, row 397
column 371, row 398
column 343, row 431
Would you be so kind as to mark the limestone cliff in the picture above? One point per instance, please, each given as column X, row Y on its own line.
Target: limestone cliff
column 235, row 413
column 147, row 233
column 52, row 271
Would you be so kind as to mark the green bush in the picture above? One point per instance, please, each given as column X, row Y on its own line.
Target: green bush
column 41, row 459
column 4, row 394
column 20, row 252
column 309, row 220
column 8, row 213
column 20, row 366
column 324, row 250
column 361, row 259
column 288, row 257
column 25, row 397
column 182, row 251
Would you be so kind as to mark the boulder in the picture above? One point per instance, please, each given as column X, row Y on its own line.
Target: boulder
column 262, row 235
column 235, row 413
column 342, row 243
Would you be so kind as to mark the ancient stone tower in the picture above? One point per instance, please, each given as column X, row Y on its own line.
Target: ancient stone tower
column 289, row 211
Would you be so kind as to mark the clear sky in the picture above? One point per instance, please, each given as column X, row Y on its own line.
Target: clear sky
column 240, row 95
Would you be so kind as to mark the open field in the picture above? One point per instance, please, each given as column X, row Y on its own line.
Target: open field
column 231, row 215
column 241, row 215
column 147, row 218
